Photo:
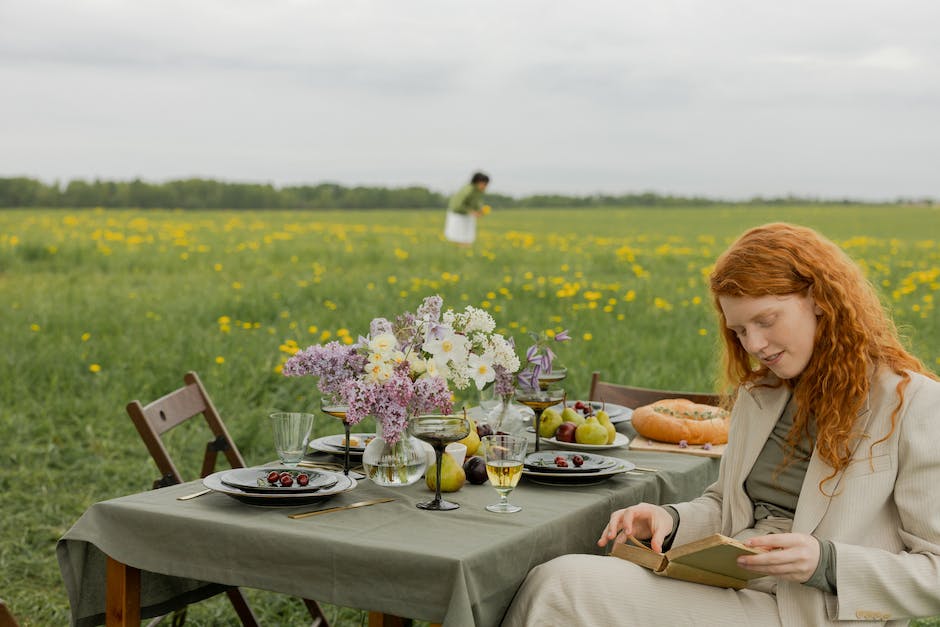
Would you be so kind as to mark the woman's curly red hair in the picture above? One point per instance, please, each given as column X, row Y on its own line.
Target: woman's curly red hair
column 854, row 334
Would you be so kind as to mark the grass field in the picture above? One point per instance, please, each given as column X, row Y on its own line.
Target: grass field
column 101, row 307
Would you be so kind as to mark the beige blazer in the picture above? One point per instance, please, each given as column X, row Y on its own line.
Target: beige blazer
column 884, row 519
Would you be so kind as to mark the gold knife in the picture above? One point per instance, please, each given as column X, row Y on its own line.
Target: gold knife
column 340, row 508
column 193, row 495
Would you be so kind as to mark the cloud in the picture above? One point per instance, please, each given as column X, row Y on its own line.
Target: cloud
column 726, row 97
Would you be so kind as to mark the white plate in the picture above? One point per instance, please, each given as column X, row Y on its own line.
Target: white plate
column 617, row 413
column 577, row 479
column 343, row 484
column 619, row 440
column 334, row 444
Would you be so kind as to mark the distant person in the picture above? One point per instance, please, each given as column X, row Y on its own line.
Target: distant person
column 463, row 210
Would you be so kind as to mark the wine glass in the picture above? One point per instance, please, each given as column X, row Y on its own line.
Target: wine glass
column 338, row 410
column 439, row 431
column 552, row 377
column 504, row 455
column 539, row 400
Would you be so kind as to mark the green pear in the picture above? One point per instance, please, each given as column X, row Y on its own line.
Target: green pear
column 472, row 441
column 604, row 419
column 550, row 421
column 591, row 432
column 453, row 475
column 570, row 415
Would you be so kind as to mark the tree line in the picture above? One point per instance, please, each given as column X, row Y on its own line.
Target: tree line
column 196, row 193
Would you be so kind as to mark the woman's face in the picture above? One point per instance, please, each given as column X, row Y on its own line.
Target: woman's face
column 779, row 331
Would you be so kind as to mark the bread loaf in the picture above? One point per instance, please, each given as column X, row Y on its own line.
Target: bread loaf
column 676, row 419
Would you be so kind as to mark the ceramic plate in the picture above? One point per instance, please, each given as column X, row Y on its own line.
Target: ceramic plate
column 256, row 479
column 334, row 444
column 546, row 461
column 343, row 484
column 619, row 440
column 578, row 479
column 617, row 413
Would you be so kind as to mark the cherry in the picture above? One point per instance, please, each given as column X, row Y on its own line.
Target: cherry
column 273, row 477
column 302, row 479
column 577, row 460
column 561, row 463
column 286, row 480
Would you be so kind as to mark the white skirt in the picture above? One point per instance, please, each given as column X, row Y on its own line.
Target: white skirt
column 460, row 228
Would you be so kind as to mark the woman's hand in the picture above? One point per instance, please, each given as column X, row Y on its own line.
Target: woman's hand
column 643, row 521
column 790, row 556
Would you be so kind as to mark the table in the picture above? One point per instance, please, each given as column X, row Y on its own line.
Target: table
column 457, row 568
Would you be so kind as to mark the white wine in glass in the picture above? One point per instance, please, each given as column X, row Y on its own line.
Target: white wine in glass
column 504, row 455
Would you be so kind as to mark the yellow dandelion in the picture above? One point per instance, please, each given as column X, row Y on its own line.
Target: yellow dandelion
column 312, row 329
column 94, row 368
column 217, row 267
column 219, row 359
column 34, row 327
column 703, row 331
column 392, row 280
column 86, row 337
column 587, row 337
column 236, row 285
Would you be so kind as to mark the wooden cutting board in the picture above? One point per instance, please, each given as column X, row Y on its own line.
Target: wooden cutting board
column 640, row 443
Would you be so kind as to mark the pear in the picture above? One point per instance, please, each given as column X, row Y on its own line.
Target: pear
column 453, row 475
column 570, row 415
column 551, row 419
column 604, row 419
column 591, row 432
column 472, row 441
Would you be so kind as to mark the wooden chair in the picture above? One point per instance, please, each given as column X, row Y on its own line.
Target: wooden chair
column 634, row 397
column 6, row 617
column 156, row 418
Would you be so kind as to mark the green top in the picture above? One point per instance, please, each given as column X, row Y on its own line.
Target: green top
column 467, row 199
column 774, row 490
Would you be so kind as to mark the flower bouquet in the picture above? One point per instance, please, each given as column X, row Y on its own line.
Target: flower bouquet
column 409, row 366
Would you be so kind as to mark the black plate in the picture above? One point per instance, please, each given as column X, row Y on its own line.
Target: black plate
column 544, row 461
column 285, row 498
column 255, row 479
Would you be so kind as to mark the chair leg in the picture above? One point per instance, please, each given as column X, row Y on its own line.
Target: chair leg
column 316, row 612
column 240, row 604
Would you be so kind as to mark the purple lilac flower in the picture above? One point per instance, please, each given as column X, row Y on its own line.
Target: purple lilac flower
column 503, row 384
column 432, row 393
column 405, row 329
column 333, row 363
column 379, row 326
column 430, row 309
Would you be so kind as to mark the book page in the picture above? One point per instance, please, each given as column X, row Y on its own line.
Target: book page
column 717, row 554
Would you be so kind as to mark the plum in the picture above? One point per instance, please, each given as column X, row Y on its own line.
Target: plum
column 475, row 468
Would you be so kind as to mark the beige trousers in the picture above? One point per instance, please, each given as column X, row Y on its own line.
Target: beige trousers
column 589, row 590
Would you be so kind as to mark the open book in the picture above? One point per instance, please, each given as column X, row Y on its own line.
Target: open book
column 711, row 561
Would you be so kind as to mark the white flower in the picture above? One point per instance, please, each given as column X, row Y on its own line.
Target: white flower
column 451, row 347
column 435, row 368
column 384, row 343
column 418, row 364
column 481, row 371
column 379, row 372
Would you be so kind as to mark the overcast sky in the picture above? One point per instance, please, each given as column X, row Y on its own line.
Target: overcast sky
column 727, row 98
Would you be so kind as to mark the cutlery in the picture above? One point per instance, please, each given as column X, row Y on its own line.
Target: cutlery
column 186, row 497
column 340, row 508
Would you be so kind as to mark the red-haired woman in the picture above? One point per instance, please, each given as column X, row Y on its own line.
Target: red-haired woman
column 831, row 463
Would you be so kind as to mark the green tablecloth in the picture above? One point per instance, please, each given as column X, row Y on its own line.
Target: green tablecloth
column 460, row 568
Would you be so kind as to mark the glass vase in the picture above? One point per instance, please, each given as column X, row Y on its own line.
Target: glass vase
column 395, row 464
column 509, row 417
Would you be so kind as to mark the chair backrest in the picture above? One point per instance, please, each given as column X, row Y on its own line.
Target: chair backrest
column 6, row 617
column 634, row 397
column 156, row 418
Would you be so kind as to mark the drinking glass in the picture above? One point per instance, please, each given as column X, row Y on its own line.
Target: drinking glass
column 291, row 434
column 439, row 431
column 504, row 455
column 539, row 401
column 338, row 410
